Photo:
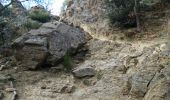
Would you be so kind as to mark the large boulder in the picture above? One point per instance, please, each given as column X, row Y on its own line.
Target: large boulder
column 48, row 44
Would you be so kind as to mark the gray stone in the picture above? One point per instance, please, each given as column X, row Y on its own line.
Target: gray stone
column 159, row 88
column 47, row 44
column 81, row 72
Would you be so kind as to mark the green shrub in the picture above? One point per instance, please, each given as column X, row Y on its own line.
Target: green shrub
column 67, row 62
column 29, row 24
column 118, row 11
column 41, row 16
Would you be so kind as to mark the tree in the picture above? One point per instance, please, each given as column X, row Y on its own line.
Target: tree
column 7, row 3
column 136, row 11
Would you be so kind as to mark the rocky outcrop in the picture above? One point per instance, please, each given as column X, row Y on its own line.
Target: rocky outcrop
column 93, row 15
column 37, row 9
column 48, row 44
column 18, row 8
column 88, row 14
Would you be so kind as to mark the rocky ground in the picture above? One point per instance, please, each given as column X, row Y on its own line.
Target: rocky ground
column 131, row 70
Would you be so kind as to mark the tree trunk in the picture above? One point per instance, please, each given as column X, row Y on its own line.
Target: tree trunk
column 137, row 16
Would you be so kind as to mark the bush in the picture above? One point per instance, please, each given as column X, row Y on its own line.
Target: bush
column 118, row 11
column 67, row 62
column 29, row 24
column 41, row 16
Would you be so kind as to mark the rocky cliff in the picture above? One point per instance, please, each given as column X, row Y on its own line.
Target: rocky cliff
column 88, row 14
column 134, row 69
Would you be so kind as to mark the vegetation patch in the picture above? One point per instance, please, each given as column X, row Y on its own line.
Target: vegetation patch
column 68, row 62
column 41, row 16
column 120, row 12
column 29, row 24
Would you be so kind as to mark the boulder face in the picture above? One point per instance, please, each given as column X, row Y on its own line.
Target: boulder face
column 48, row 44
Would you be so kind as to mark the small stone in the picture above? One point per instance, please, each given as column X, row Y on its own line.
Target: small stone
column 155, row 52
column 136, row 54
column 162, row 47
column 56, row 69
column 68, row 89
column 89, row 82
column 10, row 89
column 122, row 69
column 83, row 72
column 165, row 47
column 43, row 87
column 1, row 68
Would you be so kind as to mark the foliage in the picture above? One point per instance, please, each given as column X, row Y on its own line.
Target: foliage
column 41, row 16
column 29, row 24
column 7, row 3
column 67, row 62
column 7, row 12
column 119, row 10
column 64, row 6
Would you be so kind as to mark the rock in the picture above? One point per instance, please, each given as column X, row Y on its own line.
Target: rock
column 159, row 88
column 56, row 69
column 130, row 62
column 2, row 67
column 136, row 54
column 70, row 2
column 165, row 47
column 47, row 44
column 18, row 8
column 37, row 8
column 139, row 85
column 89, row 82
column 121, row 69
column 81, row 72
column 68, row 89
column 10, row 89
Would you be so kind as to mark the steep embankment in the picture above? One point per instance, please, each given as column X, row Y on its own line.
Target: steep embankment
column 137, row 69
